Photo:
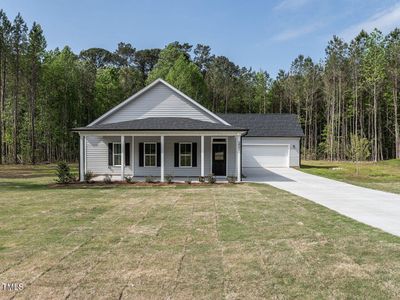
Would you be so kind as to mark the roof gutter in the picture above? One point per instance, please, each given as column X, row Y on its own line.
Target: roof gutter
column 161, row 132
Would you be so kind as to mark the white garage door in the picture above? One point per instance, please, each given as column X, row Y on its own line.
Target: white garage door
column 263, row 156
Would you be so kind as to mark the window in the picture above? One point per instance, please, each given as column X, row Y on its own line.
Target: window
column 150, row 154
column 185, row 154
column 117, row 154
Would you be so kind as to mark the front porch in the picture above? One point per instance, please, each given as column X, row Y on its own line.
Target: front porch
column 181, row 155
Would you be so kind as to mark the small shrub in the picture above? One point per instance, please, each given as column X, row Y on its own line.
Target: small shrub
column 74, row 178
column 231, row 179
column 107, row 179
column 88, row 176
column 169, row 178
column 211, row 178
column 202, row 179
column 149, row 179
column 130, row 179
column 64, row 173
column 358, row 150
column 188, row 180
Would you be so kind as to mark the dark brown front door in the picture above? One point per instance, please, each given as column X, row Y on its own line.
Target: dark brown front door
column 219, row 159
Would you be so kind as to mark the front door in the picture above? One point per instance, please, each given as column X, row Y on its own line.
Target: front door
column 219, row 159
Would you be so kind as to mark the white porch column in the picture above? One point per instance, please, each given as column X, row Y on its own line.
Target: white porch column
column 202, row 155
column 133, row 155
column 122, row 157
column 81, row 159
column 162, row 158
column 238, row 158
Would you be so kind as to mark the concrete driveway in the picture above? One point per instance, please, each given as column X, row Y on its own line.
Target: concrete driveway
column 372, row 207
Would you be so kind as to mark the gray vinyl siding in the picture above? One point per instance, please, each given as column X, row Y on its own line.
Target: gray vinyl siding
column 159, row 101
column 294, row 142
column 231, row 159
column 207, row 155
column 170, row 168
column 97, row 156
column 146, row 171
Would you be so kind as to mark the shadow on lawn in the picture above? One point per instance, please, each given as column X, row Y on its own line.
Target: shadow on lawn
column 18, row 186
column 305, row 166
column 26, row 172
column 22, row 186
column 18, row 175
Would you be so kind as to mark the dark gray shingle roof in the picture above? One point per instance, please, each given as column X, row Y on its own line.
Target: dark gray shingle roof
column 161, row 124
column 275, row 125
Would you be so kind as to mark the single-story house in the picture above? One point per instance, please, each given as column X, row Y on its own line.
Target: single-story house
column 161, row 131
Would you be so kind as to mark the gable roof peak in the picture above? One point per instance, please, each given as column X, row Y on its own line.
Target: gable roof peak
column 148, row 87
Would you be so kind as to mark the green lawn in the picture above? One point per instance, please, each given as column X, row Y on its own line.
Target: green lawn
column 241, row 241
column 384, row 175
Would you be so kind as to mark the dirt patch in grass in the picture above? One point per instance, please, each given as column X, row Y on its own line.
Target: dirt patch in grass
column 145, row 230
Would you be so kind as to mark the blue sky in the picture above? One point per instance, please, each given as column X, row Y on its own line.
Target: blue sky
column 264, row 35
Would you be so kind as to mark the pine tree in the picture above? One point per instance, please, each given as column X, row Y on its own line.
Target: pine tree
column 36, row 49
column 18, row 46
column 5, row 48
column 374, row 74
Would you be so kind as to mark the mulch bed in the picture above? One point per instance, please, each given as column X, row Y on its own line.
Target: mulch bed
column 138, row 184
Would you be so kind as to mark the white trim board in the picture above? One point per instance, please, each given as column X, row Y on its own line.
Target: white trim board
column 159, row 133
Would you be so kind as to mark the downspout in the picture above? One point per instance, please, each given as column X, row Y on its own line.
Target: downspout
column 79, row 160
column 241, row 158
column 300, row 153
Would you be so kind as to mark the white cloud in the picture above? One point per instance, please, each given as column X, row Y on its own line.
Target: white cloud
column 291, row 4
column 384, row 20
column 290, row 34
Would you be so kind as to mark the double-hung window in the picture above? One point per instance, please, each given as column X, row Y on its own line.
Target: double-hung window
column 185, row 154
column 150, row 154
column 117, row 155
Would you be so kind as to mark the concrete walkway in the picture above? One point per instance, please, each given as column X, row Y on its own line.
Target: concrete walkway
column 372, row 207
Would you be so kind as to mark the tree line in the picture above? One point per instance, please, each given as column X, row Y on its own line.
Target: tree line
column 44, row 93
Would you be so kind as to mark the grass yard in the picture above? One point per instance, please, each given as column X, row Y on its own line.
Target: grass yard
column 242, row 241
column 384, row 175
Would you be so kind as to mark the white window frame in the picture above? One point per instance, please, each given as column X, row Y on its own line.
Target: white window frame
column 144, row 154
column 191, row 154
column 113, row 153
